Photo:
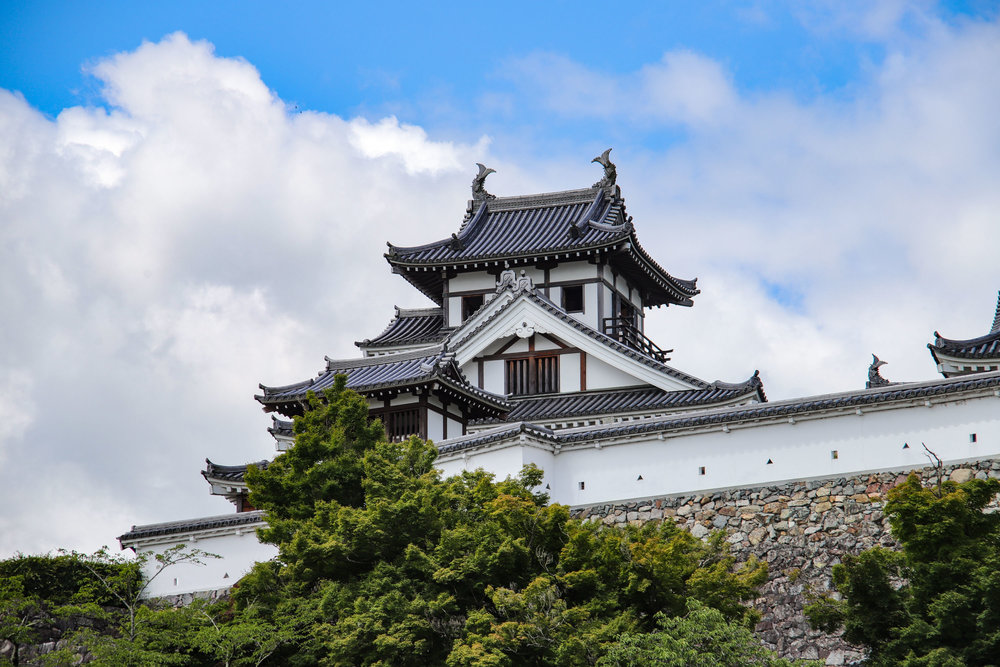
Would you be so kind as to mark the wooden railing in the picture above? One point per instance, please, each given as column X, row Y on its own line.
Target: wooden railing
column 625, row 332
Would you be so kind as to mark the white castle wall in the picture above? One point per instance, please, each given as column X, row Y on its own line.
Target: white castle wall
column 871, row 441
column 239, row 550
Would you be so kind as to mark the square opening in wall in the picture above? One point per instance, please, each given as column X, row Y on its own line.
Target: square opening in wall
column 470, row 304
column 834, row 454
column 581, row 486
column 701, row 470
column 572, row 298
column 973, row 437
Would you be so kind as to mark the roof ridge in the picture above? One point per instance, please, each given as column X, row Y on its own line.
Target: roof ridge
column 360, row 362
column 418, row 312
column 556, row 198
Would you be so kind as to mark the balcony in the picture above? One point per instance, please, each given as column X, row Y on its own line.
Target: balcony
column 625, row 332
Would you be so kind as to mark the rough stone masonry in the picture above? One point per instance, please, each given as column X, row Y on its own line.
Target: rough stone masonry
column 801, row 529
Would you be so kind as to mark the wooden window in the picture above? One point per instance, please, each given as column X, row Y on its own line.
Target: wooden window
column 401, row 424
column 471, row 304
column 572, row 298
column 532, row 375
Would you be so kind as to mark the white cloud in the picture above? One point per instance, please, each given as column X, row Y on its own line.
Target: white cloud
column 161, row 257
column 684, row 88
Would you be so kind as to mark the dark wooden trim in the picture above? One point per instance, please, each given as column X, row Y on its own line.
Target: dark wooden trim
column 554, row 341
column 474, row 292
column 479, row 364
column 523, row 355
column 546, row 282
column 531, row 343
column 423, row 416
column 583, row 371
column 445, row 310
column 506, row 346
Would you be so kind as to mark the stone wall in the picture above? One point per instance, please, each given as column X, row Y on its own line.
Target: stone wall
column 800, row 529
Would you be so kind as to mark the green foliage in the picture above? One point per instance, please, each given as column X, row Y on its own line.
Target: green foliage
column 937, row 601
column 382, row 562
column 703, row 637
column 36, row 591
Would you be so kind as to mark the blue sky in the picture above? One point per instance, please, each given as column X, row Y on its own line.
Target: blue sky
column 432, row 64
column 195, row 198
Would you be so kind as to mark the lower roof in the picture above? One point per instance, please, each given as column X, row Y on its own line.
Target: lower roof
column 623, row 401
column 896, row 393
column 192, row 525
column 983, row 347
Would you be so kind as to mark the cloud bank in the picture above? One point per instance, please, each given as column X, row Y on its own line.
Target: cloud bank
column 161, row 255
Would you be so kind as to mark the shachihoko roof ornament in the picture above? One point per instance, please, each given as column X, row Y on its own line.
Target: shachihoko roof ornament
column 479, row 192
column 875, row 378
column 610, row 171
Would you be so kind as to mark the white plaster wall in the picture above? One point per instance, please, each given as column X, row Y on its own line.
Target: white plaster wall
column 454, row 428
column 473, row 280
column 503, row 463
column 582, row 270
column 872, row 441
column 520, row 345
column 569, row 372
column 239, row 553
column 435, row 421
column 493, row 376
column 544, row 343
column 591, row 293
column 869, row 442
column 454, row 311
column 404, row 399
column 601, row 375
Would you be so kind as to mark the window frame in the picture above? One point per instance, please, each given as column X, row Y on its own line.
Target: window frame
column 540, row 380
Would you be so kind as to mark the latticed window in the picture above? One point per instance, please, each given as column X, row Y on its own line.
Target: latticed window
column 401, row 424
column 532, row 375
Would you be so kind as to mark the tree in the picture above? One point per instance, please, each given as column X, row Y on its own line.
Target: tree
column 382, row 562
column 35, row 591
column 936, row 601
column 701, row 638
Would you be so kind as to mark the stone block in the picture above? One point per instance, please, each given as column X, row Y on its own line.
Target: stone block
column 826, row 506
column 961, row 475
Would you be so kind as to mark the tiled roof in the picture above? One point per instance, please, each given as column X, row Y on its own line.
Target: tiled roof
column 229, row 473
column 281, row 428
column 984, row 347
column 596, row 403
column 410, row 327
column 726, row 416
column 373, row 374
column 558, row 226
column 190, row 525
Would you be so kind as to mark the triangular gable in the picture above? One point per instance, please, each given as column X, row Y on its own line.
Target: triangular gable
column 522, row 313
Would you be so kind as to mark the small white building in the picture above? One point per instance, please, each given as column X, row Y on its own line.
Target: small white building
column 535, row 352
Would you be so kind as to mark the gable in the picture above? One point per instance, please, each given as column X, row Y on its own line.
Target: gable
column 523, row 323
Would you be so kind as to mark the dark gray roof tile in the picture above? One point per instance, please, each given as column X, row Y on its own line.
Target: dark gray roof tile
column 983, row 347
column 410, row 327
column 641, row 399
column 546, row 225
column 191, row 525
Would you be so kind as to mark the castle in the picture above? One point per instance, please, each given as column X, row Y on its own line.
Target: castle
column 535, row 352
